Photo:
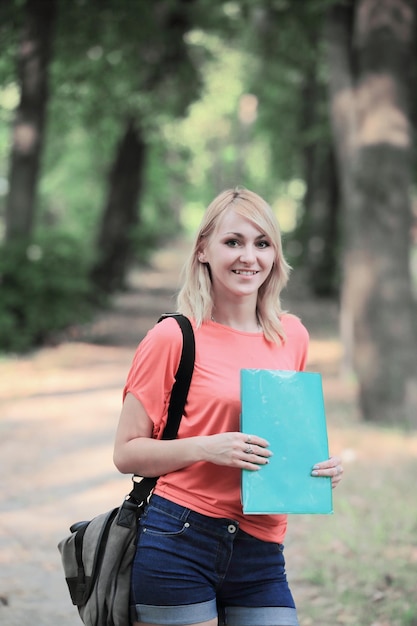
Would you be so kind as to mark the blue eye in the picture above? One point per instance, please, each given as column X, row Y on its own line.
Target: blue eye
column 232, row 243
column 263, row 244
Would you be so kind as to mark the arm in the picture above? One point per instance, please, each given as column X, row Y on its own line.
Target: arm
column 135, row 452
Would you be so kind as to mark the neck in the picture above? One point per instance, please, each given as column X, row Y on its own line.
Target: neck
column 239, row 320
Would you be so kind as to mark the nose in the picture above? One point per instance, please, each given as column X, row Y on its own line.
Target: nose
column 248, row 254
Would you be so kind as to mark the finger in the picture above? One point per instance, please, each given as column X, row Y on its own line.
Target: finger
column 336, row 479
column 255, row 440
column 255, row 450
column 253, row 457
column 332, row 471
column 253, row 462
column 334, row 461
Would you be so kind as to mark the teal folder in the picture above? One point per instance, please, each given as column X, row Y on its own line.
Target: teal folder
column 287, row 409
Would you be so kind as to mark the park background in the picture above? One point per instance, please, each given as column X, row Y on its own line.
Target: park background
column 120, row 121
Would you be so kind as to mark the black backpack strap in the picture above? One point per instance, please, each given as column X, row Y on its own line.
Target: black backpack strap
column 183, row 376
column 142, row 489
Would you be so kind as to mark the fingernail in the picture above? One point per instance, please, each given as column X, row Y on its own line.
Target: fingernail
column 314, row 473
column 315, row 467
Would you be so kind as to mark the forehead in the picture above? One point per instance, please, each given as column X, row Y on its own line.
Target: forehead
column 232, row 222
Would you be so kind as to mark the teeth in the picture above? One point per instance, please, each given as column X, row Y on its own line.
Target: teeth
column 245, row 273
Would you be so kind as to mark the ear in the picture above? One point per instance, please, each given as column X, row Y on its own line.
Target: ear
column 201, row 256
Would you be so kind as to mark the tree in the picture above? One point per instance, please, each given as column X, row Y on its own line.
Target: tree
column 165, row 83
column 370, row 45
column 120, row 217
column 291, row 87
column 319, row 229
column 28, row 136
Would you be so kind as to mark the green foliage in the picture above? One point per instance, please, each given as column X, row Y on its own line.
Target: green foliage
column 43, row 290
column 151, row 61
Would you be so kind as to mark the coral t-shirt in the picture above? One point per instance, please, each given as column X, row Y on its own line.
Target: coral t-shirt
column 213, row 406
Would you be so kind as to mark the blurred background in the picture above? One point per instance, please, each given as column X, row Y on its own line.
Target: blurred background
column 121, row 120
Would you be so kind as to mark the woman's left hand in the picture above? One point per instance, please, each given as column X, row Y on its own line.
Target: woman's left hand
column 332, row 467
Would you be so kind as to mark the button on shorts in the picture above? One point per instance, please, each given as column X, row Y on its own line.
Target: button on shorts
column 191, row 568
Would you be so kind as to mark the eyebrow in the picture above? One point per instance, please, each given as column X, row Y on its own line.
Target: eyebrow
column 262, row 236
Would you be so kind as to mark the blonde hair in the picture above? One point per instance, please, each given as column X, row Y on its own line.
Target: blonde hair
column 195, row 298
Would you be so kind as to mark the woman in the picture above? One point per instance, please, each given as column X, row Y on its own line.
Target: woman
column 200, row 560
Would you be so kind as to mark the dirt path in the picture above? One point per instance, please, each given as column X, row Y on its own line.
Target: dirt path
column 59, row 408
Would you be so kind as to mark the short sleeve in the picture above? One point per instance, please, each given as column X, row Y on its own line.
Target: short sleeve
column 152, row 373
column 297, row 340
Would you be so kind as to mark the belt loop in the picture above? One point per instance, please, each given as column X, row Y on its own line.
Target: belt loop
column 185, row 514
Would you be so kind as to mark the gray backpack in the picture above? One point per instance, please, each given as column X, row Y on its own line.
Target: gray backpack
column 97, row 556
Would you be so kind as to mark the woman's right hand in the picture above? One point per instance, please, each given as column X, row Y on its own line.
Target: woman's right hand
column 236, row 449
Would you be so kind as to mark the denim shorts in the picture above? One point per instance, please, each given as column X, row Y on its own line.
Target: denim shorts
column 191, row 568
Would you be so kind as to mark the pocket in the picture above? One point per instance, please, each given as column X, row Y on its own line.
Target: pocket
column 162, row 524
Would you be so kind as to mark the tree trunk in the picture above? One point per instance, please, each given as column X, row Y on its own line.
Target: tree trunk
column 114, row 242
column 339, row 37
column 28, row 136
column 322, row 232
column 373, row 142
column 385, row 338
column 319, row 230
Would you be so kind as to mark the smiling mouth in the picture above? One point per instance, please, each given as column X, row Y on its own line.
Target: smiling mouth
column 245, row 272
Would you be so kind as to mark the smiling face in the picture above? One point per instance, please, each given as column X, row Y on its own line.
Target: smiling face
column 240, row 257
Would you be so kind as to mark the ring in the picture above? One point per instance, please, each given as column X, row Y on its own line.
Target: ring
column 249, row 439
column 249, row 450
